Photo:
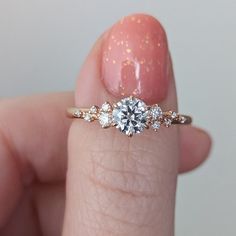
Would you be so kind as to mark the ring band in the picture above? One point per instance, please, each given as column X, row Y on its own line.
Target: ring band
column 130, row 115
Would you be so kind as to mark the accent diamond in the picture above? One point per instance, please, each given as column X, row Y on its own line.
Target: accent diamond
column 156, row 125
column 88, row 117
column 106, row 107
column 156, row 112
column 105, row 119
column 182, row 119
column 167, row 122
column 173, row 115
column 130, row 115
column 93, row 110
column 78, row 113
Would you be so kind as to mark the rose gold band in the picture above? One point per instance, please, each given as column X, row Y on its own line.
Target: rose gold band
column 75, row 112
column 130, row 115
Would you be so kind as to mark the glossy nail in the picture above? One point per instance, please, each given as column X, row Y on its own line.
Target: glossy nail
column 135, row 59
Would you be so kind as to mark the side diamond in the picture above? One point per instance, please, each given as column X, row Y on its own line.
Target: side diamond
column 93, row 110
column 106, row 107
column 173, row 115
column 88, row 117
column 105, row 119
column 156, row 125
column 167, row 122
column 78, row 113
column 182, row 119
column 155, row 112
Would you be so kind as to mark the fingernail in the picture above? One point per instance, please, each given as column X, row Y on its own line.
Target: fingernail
column 134, row 59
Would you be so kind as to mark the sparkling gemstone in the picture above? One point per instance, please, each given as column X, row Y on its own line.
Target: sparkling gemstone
column 156, row 112
column 78, row 113
column 182, row 119
column 156, row 125
column 93, row 110
column 88, row 117
column 173, row 115
column 167, row 122
column 105, row 119
column 106, row 107
column 130, row 115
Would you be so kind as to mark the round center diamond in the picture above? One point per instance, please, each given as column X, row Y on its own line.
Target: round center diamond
column 130, row 115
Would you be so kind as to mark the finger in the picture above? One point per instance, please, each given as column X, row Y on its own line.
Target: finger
column 48, row 169
column 118, row 185
column 195, row 146
column 35, row 129
column 40, row 212
column 49, row 202
column 33, row 133
column 23, row 220
column 42, row 121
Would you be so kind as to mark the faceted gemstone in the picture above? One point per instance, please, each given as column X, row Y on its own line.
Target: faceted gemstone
column 167, row 122
column 93, row 110
column 156, row 125
column 173, row 115
column 105, row 119
column 156, row 112
column 78, row 113
column 130, row 115
column 182, row 119
column 88, row 117
column 106, row 107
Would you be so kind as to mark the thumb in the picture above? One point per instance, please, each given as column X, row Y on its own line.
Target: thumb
column 118, row 185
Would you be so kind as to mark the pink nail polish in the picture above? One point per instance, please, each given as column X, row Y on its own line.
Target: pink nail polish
column 135, row 56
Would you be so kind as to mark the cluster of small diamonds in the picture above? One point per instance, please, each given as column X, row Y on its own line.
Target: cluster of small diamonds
column 158, row 117
column 103, row 114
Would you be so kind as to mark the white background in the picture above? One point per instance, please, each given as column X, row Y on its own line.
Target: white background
column 43, row 44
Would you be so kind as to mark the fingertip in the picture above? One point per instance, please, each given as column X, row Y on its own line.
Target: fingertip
column 206, row 140
column 130, row 58
column 195, row 147
column 134, row 58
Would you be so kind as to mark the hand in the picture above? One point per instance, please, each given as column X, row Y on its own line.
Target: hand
column 115, row 185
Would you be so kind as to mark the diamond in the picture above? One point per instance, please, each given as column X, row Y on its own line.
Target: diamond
column 156, row 125
column 106, row 107
column 167, row 122
column 182, row 119
column 88, row 117
column 156, row 112
column 105, row 119
column 130, row 115
column 173, row 115
column 78, row 113
column 93, row 110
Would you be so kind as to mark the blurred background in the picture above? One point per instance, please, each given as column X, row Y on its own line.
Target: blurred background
column 43, row 44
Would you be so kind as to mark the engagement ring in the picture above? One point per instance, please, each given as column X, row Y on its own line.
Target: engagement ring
column 130, row 115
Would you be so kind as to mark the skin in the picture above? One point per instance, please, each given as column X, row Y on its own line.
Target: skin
column 114, row 185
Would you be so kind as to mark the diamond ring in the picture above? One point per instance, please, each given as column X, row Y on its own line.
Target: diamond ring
column 130, row 115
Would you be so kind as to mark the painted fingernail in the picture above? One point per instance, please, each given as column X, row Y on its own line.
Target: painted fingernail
column 135, row 59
